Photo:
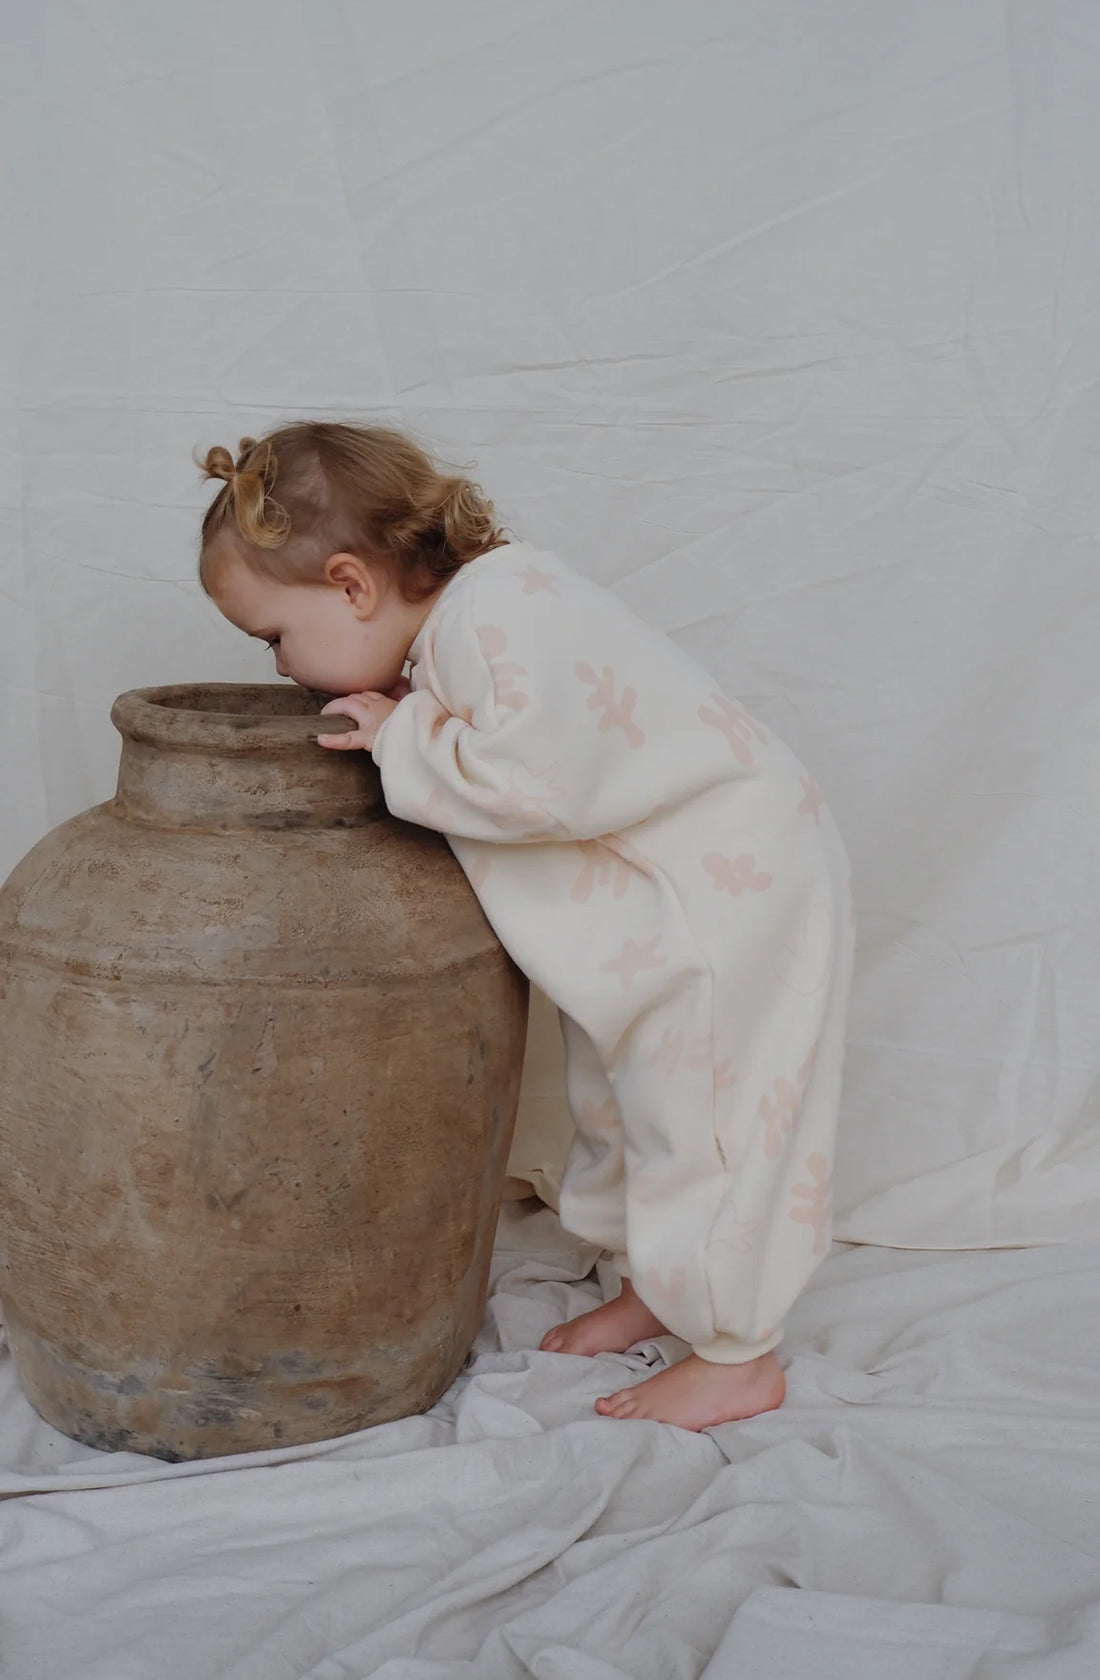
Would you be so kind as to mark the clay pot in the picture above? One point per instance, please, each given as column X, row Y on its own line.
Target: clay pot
column 259, row 1060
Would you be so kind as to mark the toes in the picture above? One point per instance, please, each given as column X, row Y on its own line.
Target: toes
column 621, row 1404
column 552, row 1341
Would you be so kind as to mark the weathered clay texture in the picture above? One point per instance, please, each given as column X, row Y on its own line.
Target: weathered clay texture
column 259, row 1061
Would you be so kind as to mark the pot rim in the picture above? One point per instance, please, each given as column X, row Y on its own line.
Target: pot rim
column 157, row 717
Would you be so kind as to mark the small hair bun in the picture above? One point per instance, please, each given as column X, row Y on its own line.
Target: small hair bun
column 218, row 463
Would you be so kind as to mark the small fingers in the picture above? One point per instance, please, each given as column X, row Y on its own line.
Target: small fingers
column 367, row 711
column 351, row 701
column 357, row 708
column 342, row 743
column 350, row 708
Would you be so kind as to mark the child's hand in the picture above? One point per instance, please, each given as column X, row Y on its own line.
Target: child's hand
column 369, row 711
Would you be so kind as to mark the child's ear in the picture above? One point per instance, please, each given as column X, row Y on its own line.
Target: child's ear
column 356, row 581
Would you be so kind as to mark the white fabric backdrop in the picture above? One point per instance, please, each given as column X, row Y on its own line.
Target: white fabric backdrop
column 780, row 320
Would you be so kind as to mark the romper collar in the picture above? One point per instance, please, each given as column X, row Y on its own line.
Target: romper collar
column 505, row 550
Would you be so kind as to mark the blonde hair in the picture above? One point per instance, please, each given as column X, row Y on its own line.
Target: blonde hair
column 342, row 488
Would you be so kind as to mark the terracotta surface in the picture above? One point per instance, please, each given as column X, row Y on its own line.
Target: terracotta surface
column 259, row 1060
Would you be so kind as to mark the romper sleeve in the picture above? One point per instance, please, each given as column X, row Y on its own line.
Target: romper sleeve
column 496, row 741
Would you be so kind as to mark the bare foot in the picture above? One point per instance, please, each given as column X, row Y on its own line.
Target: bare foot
column 697, row 1393
column 608, row 1329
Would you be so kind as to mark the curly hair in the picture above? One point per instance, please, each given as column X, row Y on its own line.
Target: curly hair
column 342, row 488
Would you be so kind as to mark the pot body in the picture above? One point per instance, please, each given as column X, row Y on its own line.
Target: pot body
column 260, row 1054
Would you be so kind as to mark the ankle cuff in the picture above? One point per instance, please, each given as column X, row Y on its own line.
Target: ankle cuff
column 727, row 1350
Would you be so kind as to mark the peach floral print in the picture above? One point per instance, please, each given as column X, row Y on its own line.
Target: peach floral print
column 533, row 581
column 780, row 1111
column 527, row 799
column 736, row 875
column 494, row 643
column 735, row 724
column 632, row 959
column 592, row 1116
column 676, row 1048
column 666, row 1057
column 431, row 812
column 739, row 1240
column 815, row 1208
column 629, row 854
column 601, row 868
column 663, row 1286
column 617, row 714
column 812, row 801
column 724, row 1075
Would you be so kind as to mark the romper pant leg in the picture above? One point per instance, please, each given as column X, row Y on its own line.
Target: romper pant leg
column 729, row 1163
column 592, row 1201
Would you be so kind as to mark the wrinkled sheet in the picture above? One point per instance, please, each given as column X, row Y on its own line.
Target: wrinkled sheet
column 925, row 1506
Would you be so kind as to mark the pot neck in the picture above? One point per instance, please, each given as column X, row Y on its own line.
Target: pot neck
column 238, row 756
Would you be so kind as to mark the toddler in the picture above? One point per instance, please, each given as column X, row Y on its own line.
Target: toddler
column 651, row 857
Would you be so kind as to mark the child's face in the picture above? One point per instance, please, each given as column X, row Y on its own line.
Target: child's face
column 346, row 634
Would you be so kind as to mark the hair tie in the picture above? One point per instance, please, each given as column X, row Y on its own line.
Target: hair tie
column 247, row 445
